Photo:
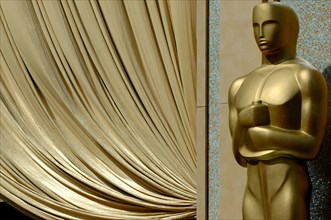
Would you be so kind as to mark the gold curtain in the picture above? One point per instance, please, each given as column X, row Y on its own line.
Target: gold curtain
column 98, row 108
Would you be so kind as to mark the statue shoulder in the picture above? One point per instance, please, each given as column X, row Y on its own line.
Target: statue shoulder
column 235, row 85
column 308, row 74
column 310, row 80
column 305, row 71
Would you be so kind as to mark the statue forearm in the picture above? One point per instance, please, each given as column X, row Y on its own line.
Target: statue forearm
column 287, row 143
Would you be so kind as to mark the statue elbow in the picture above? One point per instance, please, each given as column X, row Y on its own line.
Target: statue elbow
column 314, row 149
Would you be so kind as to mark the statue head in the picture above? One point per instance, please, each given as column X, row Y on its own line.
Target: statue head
column 276, row 28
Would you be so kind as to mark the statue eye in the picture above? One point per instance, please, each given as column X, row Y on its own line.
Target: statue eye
column 270, row 22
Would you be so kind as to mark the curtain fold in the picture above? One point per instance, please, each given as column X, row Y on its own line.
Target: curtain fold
column 98, row 102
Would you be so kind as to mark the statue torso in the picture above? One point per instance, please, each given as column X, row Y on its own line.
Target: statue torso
column 276, row 86
column 271, row 180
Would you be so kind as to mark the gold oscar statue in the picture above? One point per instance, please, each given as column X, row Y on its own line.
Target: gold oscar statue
column 278, row 115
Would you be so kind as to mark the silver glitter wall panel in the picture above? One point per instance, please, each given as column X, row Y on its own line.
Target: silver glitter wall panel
column 314, row 45
column 214, row 110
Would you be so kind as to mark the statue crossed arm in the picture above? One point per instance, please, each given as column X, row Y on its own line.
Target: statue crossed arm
column 272, row 141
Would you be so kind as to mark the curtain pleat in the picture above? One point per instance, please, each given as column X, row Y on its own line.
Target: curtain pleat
column 98, row 108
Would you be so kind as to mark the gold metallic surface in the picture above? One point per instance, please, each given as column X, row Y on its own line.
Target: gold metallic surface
column 278, row 115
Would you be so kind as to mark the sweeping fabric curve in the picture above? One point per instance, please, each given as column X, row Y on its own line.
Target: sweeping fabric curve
column 98, row 102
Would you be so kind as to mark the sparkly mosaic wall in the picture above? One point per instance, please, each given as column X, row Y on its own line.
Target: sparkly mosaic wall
column 314, row 45
column 214, row 110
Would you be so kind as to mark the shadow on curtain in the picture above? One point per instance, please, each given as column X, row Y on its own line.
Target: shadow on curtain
column 98, row 102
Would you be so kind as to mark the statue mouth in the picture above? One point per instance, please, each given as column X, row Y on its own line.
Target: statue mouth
column 262, row 42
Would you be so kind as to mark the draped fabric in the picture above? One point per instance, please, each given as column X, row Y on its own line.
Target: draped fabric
column 98, row 108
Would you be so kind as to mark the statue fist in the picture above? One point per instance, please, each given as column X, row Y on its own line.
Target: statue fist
column 255, row 115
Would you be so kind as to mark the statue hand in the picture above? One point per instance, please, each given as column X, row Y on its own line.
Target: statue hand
column 255, row 115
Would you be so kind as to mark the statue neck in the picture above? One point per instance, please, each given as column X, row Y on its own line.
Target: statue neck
column 279, row 56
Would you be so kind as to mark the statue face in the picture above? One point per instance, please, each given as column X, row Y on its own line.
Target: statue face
column 268, row 28
column 267, row 35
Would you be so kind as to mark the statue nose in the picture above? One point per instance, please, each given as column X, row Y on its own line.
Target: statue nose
column 261, row 32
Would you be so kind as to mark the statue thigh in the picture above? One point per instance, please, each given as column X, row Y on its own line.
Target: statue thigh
column 252, row 206
column 287, row 199
column 292, row 201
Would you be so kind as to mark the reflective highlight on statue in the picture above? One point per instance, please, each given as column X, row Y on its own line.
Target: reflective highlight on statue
column 278, row 115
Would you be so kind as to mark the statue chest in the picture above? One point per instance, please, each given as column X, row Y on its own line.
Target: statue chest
column 278, row 88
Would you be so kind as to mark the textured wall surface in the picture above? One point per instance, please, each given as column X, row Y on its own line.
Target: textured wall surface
column 314, row 45
column 214, row 110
